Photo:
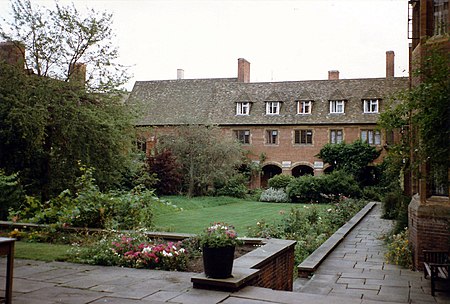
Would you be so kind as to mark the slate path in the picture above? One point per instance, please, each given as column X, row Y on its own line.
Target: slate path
column 357, row 269
column 354, row 273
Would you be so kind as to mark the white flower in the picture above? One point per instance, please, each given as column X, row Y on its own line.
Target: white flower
column 147, row 249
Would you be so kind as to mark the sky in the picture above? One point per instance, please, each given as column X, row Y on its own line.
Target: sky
column 282, row 40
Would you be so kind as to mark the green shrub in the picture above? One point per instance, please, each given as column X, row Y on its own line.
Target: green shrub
column 255, row 194
column 12, row 194
column 392, row 203
column 323, row 189
column 398, row 249
column 340, row 183
column 280, row 181
column 305, row 189
column 89, row 207
column 274, row 195
column 236, row 186
column 372, row 194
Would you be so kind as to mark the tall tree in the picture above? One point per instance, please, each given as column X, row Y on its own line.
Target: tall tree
column 352, row 158
column 49, row 123
column 204, row 154
column 58, row 40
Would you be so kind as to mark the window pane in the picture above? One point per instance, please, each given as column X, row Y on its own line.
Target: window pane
column 297, row 136
column 271, row 137
column 377, row 139
column 364, row 136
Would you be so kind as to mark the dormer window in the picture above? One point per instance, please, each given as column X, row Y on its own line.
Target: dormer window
column 337, row 106
column 242, row 108
column 370, row 105
column 272, row 107
column 304, row 107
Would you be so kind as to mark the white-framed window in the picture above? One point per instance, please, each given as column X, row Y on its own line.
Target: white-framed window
column 370, row 105
column 242, row 108
column 243, row 136
column 272, row 137
column 372, row 137
column 303, row 137
column 272, row 107
column 304, row 107
column 336, row 136
column 337, row 106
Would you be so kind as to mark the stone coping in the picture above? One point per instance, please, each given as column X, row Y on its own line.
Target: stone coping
column 245, row 267
column 313, row 261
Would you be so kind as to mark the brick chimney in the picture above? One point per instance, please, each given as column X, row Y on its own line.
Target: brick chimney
column 243, row 70
column 13, row 53
column 78, row 73
column 333, row 75
column 390, row 64
column 180, row 74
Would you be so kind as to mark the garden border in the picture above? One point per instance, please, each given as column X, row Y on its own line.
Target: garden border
column 313, row 261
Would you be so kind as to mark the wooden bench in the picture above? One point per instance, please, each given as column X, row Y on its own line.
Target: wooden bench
column 436, row 266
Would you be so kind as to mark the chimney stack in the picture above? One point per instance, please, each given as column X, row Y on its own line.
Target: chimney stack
column 243, row 70
column 77, row 73
column 180, row 74
column 333, row 75
column 390, row 64
column 13, row 53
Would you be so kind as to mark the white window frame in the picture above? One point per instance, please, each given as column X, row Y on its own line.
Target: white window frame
column 243, row 108
column 272, row 107
column 337, row 106
column 371, row 105
column 336, row 136
column 304, row 107
column 372, row 137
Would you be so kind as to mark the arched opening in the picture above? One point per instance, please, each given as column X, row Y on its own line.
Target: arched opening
column 328, row 170
column 302, row 170
column 268, row 172
column 370, row 176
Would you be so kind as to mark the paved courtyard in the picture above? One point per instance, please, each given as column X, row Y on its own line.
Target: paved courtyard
column 355, row 272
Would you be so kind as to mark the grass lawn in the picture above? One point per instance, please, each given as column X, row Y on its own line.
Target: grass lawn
column 41, row 251
column 199, row 212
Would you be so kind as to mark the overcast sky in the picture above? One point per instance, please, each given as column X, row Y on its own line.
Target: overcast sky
column 283, row 40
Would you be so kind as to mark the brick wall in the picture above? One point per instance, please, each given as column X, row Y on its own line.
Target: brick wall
column 277, row 272
column 429, row 227
column 269, row 266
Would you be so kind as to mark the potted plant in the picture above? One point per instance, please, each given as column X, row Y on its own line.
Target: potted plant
column 218, row 243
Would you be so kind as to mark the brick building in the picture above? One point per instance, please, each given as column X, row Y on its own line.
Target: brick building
column 429, row 209
column 283, row 124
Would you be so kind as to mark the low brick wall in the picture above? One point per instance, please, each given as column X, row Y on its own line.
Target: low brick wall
column 276, row 272
column 269, row 266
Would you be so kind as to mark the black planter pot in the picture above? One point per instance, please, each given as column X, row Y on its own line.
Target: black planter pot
column 218, row 262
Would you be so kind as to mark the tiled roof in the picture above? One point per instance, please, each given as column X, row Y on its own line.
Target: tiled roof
column 213, row 101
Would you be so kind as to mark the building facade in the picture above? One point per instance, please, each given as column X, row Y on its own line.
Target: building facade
column 429, row 209
column 283, row 125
